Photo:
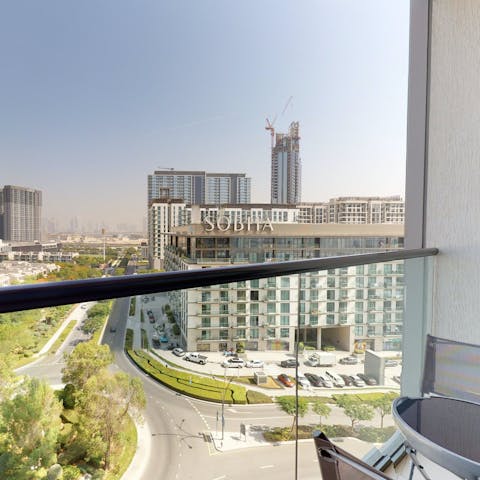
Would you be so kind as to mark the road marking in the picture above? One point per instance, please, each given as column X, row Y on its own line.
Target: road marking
column 267, row 466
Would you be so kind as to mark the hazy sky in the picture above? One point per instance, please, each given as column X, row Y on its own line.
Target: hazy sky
column 95, row 94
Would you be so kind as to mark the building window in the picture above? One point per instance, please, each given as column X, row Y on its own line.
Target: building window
column 254, row 308
column 359, row 294
column 359, row 318
column 371, row 318
column 330, row 307
column 254, row 295
column 342, row 307
column 206, row 322
column 330, row 319
column 343, row 318
column 254, row 321
column 284, row 332
column 223, row 296
column 241, row 333
column 284, row 320
column 358, row 331
column 285, row 294
column 284, row 308
column 331, row 282
column 241, row 295
column 254, row 283
column 270, row 332
column 223, row 322
column 359, row 282
column 205, row 335
column 241, row 308
column 271, row 295
column 241, row 322
column 205, row 309
column 223, row 334
column 254, row 333
column 223, row 309
column 371, row 331
column 206, row 296
column 360, row 269
column 359, row 307
column 313, row 320
column 330, row 294
column 285, row 282
column 271, row 307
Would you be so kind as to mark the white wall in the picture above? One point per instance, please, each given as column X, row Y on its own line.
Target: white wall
column 453, row 180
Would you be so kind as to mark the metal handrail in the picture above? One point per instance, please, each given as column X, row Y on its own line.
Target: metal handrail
column 25, row 297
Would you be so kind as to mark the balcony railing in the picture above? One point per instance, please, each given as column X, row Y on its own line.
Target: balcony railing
column 24, row 297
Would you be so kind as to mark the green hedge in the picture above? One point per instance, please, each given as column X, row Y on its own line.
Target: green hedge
column 129, row 339
column 193, row 385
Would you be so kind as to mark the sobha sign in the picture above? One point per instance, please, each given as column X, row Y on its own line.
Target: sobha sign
column 223, row 224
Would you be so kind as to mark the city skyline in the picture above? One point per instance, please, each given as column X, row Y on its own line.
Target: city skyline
column 86, row 119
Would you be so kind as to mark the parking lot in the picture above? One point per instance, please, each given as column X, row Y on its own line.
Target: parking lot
column 271, row 359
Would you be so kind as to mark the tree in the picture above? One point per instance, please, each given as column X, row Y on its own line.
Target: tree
column 383, row 405
column 355, row 409
column 289, row 406
column 29, row 427
column 104, row 405
column 85, row 361
column 7, row 377
column 321, row 409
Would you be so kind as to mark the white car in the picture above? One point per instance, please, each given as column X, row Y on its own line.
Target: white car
column 254, row 364
column 326, row 382
column 233, row 363
column 179, row 352
column 303, row 382
column 337, row 380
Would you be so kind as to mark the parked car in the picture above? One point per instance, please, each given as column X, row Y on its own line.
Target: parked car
column 390, row 363
column 357, row 381
column 348, row 381
column 312, row 361
column 286, row 380
column 233, row 363
column 314, row 380
column 163, row 339
column 303, row 382
column 351, row 360
column 326, row 382
column 289, row 363
column 113, row 328
column 179, row 352
column 368, row 380
column 254, row 364
column 337, row 380
column 196, row 358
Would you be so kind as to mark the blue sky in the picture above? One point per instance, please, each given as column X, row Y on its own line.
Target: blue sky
column 94, row 95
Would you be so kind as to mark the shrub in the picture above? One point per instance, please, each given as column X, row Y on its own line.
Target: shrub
column 176, row 329
column 257, row 397
column 71, row 472
column 129, row 339
column 55, row 472
column 68, row 396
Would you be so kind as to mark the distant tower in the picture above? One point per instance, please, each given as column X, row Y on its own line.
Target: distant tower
column 286, row 167
column 20, row 209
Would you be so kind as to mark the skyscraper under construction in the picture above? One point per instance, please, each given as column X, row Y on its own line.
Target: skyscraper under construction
column 286, row 167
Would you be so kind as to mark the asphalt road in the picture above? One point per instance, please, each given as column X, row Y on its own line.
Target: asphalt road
column 178, row 447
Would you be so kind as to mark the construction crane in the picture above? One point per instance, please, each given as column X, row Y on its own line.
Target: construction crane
column 270, row 125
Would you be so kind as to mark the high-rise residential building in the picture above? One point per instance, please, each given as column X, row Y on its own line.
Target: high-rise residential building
column 166, row 214
column 20, row 212
column 286, row 167
column 195, row 187
column 348, row 308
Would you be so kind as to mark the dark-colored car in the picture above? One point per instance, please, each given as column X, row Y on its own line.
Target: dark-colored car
column 290, row 363
column 368, row 380
column 357, row 381
column 314, row 379
column 286, row 380
column 346, row 378
column 113, row 328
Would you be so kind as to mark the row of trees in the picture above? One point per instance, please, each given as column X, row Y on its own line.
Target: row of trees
column 83, row 423
column 354, row 407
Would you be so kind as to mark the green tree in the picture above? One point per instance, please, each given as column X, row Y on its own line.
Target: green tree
column 7, row 377
column 321, row 409
column 355, row 409
column 104, row 404
column 29, row 427
column 85, row 361
column 289, row 406
column 383, row 405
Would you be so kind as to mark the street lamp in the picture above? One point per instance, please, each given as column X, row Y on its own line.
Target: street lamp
column 223, row 399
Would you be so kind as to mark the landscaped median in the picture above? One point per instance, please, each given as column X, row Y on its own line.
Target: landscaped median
column 190, row 384
column 187, row 383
